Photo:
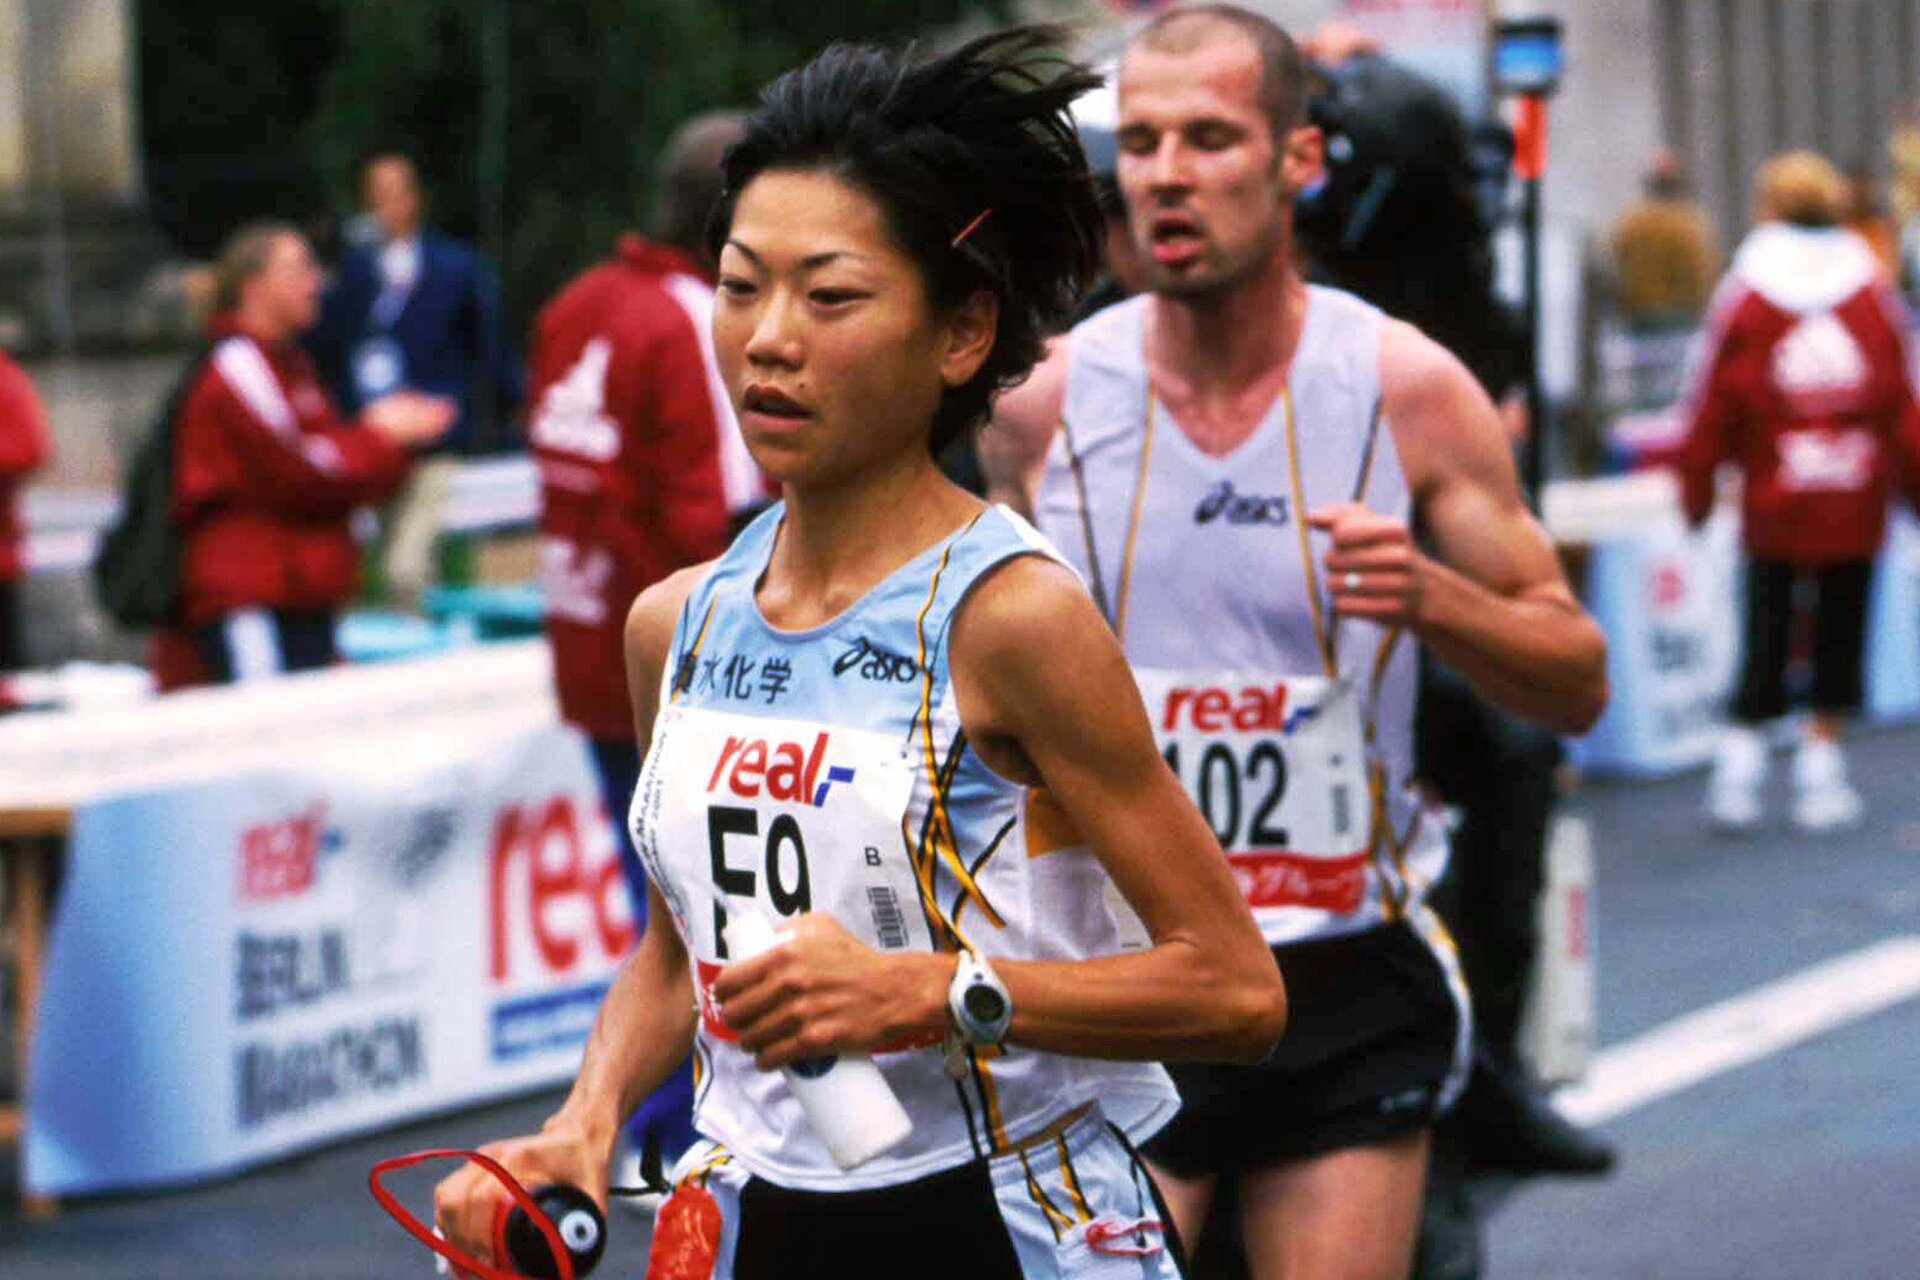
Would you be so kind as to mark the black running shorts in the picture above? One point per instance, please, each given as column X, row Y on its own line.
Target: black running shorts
column 1373, row 1043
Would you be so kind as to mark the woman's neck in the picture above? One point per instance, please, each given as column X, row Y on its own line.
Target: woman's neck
column 840, row 540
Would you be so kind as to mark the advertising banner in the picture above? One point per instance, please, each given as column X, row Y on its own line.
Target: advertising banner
column 246, row 966
column 1671, row 604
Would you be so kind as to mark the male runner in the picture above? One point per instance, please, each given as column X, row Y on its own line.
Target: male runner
column 1238, row 463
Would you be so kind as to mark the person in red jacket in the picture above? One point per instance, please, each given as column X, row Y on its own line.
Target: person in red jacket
column 24, row 449
column 266, row 474
column 1803, row 382
column 642, row 470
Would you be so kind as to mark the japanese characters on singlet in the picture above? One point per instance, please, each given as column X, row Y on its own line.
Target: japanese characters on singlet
column 1291, row 729
column 826, row 770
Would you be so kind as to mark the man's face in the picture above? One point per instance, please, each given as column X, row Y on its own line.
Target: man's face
column 286, row 293
column 1207, row 189
column 393, row 197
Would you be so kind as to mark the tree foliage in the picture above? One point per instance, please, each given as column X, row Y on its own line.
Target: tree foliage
column 535, row 123
column 224, row 85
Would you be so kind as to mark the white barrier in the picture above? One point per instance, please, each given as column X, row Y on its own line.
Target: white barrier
column 69, row 758
column 491, row 493
column 307, row 908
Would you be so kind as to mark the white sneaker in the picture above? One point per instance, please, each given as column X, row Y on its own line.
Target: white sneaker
column 1823, row 799
column 1739, row 772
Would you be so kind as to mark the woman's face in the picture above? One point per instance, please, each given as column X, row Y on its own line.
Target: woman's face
column 831, row 352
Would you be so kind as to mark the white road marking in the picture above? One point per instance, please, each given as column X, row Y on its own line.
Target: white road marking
column 1744, row 1029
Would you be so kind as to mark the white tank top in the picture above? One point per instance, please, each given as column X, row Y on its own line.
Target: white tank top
column 1292, row 730
column 827, row 770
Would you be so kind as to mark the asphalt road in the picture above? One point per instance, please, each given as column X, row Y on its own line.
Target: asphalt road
column 1804, row 1163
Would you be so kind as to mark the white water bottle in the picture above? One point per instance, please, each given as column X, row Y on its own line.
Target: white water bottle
column 848, row 1102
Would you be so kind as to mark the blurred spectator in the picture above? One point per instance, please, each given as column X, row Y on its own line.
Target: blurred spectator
column 1665, row 253
column 642, row 468
column 1803, row 384
column 24, row 448
column 266, row 474
column 410, row 309
column 1867, row 217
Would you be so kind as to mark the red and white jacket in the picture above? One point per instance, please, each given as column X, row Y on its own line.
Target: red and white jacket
column 1803, row 380
column 266, row 476
column 641, row 461
column 24, row 448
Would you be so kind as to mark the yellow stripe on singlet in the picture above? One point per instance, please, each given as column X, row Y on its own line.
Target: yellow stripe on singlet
column 1072, row 1180
column 1057, row 1221
column 940, row 828
column 940, row 845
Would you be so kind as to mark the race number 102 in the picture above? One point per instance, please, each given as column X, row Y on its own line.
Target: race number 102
column 1238, row 791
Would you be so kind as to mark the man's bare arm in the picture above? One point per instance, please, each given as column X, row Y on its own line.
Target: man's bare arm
column 1492, row 603
column 1013, row 447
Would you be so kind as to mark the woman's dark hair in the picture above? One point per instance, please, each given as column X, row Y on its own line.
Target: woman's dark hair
column 974, row 163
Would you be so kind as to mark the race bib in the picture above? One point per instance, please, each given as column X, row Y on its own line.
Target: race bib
column 1277, row 766
column 787, row 815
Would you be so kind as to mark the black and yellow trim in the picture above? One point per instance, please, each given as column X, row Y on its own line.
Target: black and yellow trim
column 1072, row 1179
column 944, row 848
column 1058, row 1222
column 692, row 654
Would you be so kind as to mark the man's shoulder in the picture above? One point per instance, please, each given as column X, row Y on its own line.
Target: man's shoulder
column 1415, row 368
column 1037, row 402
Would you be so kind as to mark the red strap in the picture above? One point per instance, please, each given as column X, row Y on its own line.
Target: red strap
column 1109, row 1238
column 1530, row 138
column 460, row 1260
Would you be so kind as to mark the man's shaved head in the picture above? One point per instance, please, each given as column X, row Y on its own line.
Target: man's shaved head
column 1283, row 72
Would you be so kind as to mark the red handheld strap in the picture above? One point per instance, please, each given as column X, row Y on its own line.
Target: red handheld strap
column 462, row 1261
column 1530, row 138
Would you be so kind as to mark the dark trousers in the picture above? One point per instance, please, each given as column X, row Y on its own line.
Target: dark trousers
column 666, row 1117
column 1838, row 634
column 13, row 655
column 253, row 643
column 1500, row 773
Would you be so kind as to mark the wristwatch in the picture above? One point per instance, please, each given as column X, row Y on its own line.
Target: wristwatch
column 978, row 1002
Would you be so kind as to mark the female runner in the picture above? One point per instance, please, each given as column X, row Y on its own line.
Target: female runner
column 891, row 721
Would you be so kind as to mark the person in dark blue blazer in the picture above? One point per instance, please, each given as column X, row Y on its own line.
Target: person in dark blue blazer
column 410, row 309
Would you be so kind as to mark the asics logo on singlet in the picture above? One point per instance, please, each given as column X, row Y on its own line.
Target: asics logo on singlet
column 753, row 767
column 1223, row 711
column 1223, row 503
column 874, row 663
